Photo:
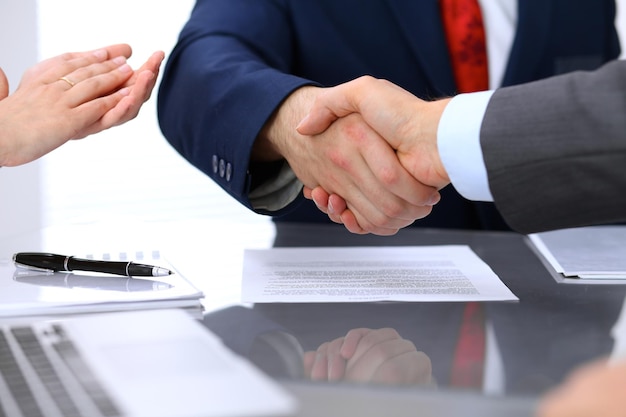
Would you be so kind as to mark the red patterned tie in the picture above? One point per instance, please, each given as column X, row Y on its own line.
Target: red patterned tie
column 465, row 36
column 469, row 357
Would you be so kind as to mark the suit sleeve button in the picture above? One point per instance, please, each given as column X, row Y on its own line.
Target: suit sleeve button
column 229, row 171
column 214, row 163
column 222, row 168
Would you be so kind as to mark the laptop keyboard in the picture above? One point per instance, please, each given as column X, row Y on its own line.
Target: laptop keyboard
column 34, row 377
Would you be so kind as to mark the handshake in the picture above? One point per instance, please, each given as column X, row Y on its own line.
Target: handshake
column 394, row 163
column 374, row 157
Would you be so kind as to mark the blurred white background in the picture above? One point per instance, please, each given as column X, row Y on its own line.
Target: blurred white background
column 131, row 170
column 128, row 172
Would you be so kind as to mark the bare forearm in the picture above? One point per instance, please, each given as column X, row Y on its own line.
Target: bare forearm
column 272, row 144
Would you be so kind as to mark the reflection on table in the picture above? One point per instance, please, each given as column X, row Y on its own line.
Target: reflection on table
column 528, row 346
column 91, row 282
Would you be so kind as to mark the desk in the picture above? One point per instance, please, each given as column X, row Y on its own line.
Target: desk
column 540, row 339
column 552, row 329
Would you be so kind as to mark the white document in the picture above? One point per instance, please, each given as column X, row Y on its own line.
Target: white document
column 585, row 254
column 357, row 274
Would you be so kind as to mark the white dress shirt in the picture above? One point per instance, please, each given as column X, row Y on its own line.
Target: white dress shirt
column 458, row 141
column 458, row 136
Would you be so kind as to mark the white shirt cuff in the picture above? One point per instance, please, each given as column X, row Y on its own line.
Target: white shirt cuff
column 458, row 140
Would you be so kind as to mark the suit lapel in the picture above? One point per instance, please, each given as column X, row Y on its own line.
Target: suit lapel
column 420, row 23
column 533, row 32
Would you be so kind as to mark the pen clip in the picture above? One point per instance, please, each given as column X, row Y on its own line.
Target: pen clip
column 33, row 268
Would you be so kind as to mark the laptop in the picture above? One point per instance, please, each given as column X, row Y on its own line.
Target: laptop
column 154, row 363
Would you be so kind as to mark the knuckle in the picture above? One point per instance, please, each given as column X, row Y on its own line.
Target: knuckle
column 390, row 332
column 379, row 221
column 66, row 56
column 354, row 130
column 422, row 211
column 357, row 331
column 392, row 210
column 389, row 176
column 339, row 158
column 367, row 226
column 365, row 81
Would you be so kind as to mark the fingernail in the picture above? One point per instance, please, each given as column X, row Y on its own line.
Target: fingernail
column 302, row 122
column 331, row 209
column 100, row 53
column 434, row 199
column 119, row 60
column 124, row 91
column 125, row 68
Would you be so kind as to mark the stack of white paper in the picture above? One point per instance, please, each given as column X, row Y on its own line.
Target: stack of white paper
column 30, row 293
column 586, row 254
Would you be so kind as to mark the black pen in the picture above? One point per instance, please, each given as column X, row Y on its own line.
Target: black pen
column 39, row 261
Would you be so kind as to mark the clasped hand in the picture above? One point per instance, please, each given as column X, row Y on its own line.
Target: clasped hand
column 349, row 159
column 369, row 356
column 408, row 124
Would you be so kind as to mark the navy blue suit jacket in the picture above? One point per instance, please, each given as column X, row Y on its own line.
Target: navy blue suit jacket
column 237, row 60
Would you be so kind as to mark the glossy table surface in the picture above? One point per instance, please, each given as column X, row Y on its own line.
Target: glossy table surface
column 532, row 344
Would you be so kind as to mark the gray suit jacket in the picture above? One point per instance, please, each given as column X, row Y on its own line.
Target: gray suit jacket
column 555, row 150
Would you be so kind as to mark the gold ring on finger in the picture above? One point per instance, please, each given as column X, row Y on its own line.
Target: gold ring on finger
column 67, row 80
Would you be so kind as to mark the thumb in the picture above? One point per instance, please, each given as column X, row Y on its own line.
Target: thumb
column 331, row 104
column 4, row 85
column 317, row 121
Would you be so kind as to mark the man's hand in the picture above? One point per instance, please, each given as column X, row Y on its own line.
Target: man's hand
column 407, row 123
column 369, row 355
column 348, row 159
